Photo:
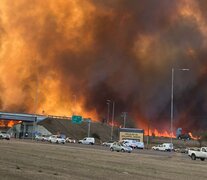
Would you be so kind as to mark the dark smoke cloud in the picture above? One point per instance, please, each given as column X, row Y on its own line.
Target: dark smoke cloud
column 113, row 64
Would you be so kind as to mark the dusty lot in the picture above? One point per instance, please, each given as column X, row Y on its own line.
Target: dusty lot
column 36, row 161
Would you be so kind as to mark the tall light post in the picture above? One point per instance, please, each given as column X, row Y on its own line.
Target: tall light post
column 112, row 126
column 108, row 112
column 172, row 106
column 112, row 120
column 124, row 114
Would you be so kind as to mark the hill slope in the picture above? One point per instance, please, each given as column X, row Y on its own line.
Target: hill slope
column 78, row 131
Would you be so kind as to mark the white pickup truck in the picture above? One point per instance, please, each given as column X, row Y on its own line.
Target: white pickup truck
column 198, row 154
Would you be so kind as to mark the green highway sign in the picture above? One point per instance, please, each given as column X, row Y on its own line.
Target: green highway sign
column 77, row 119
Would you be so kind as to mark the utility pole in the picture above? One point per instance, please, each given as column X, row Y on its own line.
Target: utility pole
column 124, row 114
column 112, row 126
column 108, row 113
column 89, row 127
column 148, row 128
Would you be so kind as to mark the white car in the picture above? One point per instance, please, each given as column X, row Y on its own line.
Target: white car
column 140, row 145
column 163, row 147
column 108, row 143
column 4, row 135
column 133, row 143
column 70, row 140
column 117, row 146
column 42, row 137
column 87, row 140
column 57, row 139
column 198, row 154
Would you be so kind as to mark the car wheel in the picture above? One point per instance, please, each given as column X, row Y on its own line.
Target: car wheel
column 57, row 142
column 112, row 149
column 193, row 157
column 122, row 150
column 202, row 159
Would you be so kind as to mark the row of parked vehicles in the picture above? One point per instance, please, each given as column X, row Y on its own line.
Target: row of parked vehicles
column 60, row 139
column 54, row 139
column 124, row 146
column 193, row 153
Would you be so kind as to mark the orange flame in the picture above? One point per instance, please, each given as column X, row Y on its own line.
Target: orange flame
column 156, row 133
column 193, row 137
column 10, row 123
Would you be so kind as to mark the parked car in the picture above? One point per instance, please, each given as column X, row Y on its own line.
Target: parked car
column 181, row 149
column 57, row 139
column 42, row 137
column 133, row 143
column 129, row 143
column 4, row 135
column 87, row 140
column 70, row 140
column 117, row 146
column 46, row 137
column 38, row 137
column 198, row 154
column 164, row 147
column 108, row 143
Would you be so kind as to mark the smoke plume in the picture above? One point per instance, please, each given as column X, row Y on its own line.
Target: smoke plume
column 62, row 57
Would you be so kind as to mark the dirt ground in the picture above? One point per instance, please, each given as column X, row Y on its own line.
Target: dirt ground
column 39, row 161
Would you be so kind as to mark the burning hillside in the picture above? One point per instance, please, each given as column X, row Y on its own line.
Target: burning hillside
column 63, row 57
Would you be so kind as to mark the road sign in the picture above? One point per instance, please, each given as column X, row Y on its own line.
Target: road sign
column 77, row 119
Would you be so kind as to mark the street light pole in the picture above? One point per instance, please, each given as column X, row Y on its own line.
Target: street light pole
column 112, row 126
column 108, row 113
column 171, row 116
column 172, row 106
column 124, row 116
column 89, row 127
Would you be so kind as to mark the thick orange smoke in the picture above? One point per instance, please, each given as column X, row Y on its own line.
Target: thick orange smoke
column 33, row 35
column 68, row 57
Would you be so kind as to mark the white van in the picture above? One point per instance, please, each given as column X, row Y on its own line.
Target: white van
column 163, row 147
column 87, row 140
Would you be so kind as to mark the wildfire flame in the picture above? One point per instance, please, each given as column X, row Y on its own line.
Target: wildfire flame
column 6, row 123
column 193, row 137
column 156, row 133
